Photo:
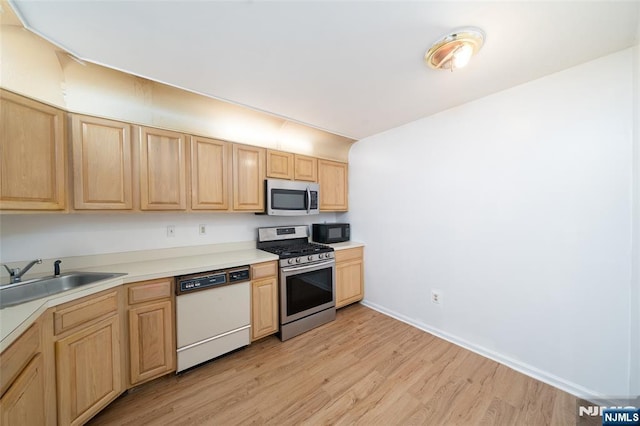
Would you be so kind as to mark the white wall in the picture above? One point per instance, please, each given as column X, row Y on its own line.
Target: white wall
column 634, row 377
column 52, row 236
column 518, row 208
column 33, row 67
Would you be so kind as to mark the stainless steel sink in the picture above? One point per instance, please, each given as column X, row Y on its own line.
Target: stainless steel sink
column 14, row 294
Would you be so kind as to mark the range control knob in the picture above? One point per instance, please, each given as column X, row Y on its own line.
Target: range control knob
column 290, row 261
column 309, row 257
column 298, row 260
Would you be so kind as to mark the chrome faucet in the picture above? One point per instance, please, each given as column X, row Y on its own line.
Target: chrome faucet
column 17, row 273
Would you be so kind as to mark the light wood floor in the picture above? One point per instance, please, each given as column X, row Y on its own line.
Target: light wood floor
column 364, row 368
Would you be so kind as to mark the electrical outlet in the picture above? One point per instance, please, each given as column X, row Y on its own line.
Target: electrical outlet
column 436, row 297
column 171, row 231
column 202, row 229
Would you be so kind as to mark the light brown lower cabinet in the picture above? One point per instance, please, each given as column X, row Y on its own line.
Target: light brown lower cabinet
column 26, row 390
column 264, row 300
column 89, row 356
column 349, row 276
column 264, row 307
column 152, row 347
column 23, row 403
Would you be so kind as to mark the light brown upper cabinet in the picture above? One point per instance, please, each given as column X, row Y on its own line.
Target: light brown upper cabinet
column 32, row 167
column 306, row 168
column 101, row 164
column 210, row 174
column 163, row 169
column 248, row 178
column 279, row 164
column 332, row 177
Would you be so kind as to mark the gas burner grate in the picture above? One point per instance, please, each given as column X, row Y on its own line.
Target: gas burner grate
column 298, row 249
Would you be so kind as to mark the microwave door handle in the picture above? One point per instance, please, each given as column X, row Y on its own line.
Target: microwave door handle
column 308, row 200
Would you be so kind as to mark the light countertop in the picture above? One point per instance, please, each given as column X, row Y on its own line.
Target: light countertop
column 141, row 266
column 346, row 245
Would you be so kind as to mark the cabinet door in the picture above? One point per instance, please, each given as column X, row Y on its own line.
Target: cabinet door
column 163, row 170
column 306, row 168
column 264, row 307
column 32, row 167
column 332, row 177
column 279, row 164
column 24, row 402
column 210, row 174
column 349, row 283
column 151, row 345
column 88, row 371
column 101, row 164
column 248, row 178
column 349, row 276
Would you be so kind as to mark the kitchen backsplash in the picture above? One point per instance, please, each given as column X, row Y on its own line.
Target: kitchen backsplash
column 25, row 237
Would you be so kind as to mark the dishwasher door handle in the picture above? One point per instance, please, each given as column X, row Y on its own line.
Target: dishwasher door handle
column 201, row 342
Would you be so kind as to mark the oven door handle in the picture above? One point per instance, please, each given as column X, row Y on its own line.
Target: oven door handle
column 313, row 266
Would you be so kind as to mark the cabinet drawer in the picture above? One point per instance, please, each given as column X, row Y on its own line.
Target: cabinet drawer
column 90, row 308
column 348, row 254
column 262, row 270
column 150, row 290
column 17, row 356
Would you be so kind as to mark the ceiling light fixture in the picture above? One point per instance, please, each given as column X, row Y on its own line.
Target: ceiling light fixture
column 455, row 50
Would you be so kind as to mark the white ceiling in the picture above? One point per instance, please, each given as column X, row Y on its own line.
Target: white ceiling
column 352, row 68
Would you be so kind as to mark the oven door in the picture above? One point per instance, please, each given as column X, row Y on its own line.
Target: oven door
column 306, row 289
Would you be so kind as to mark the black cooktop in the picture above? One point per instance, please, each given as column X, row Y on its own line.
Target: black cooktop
column 297, row 249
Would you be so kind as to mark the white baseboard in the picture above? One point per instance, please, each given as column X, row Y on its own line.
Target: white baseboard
column 543, row 376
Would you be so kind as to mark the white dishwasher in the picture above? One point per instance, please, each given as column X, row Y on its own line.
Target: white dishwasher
column 213, row 315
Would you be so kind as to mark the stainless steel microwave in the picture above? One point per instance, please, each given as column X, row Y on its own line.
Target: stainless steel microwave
column 329, row 233
column 291, row 198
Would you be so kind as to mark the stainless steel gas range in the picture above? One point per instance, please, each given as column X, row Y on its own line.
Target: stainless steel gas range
column 307, row 279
